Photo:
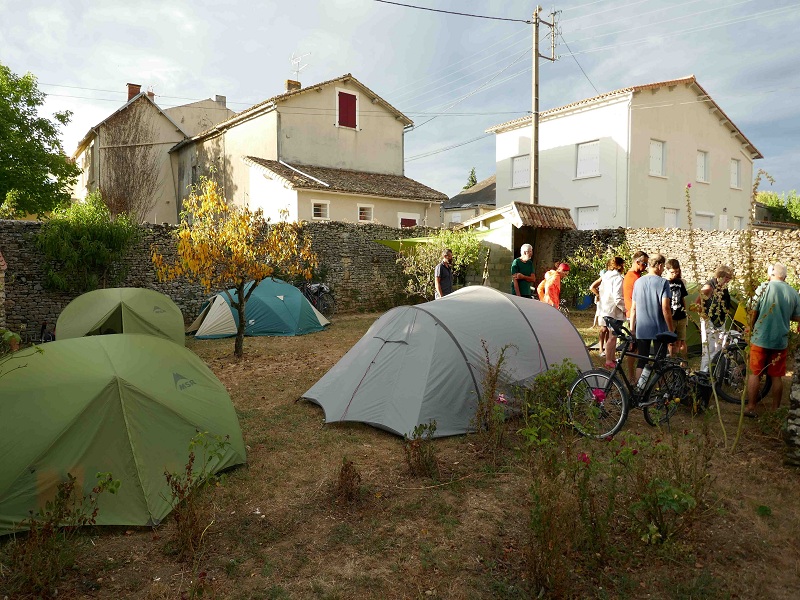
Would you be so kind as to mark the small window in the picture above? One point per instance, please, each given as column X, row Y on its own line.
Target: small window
column 521, row 171
column 588, row 160
column 455, row 217
column 408, row 219
column 365, row 213
column 736, row 179
column 704, row 220
column 320, row 210
column 738, row 223
column 347, row 110
column 702, row 166
column 588, row 217
column 723, row 222
column 657, row 158
column 670, row 217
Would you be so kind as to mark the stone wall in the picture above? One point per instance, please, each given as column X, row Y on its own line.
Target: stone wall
column 364, row 275
column 792, row 431
column 712, row 248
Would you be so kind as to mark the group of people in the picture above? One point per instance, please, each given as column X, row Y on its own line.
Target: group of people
column 655, row 302
column 523, row 277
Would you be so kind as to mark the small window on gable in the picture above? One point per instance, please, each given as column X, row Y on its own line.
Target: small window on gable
column 347, row 110
column 365, row 213
column 670, row 217
column 521, row 171
column 657, row 158
column 320, row 210
column 736, row 181
column 588, row 160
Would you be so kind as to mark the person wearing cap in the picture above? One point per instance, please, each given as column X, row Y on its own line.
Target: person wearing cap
column 549, row 289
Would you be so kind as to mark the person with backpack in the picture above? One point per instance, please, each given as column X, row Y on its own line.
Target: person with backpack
column 549, row 289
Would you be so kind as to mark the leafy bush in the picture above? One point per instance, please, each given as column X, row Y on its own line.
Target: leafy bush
column 36, row 563
column 544, row 411
column 585, row 265
column 85, row 246
column 420, row 451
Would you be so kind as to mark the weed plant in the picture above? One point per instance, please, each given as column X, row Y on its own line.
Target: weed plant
column 420, row 452
column 492, row 406
column 34, row 564
column 348, row 483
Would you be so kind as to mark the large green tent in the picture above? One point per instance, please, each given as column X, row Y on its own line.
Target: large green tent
column 126, row 404
column 121, row 310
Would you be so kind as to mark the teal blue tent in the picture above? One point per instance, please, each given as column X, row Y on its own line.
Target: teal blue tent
column 275, row 308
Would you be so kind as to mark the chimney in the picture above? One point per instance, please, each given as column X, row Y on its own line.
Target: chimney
column 292, row 85
column 151, row 94
column 220, row 100
column 133, row 90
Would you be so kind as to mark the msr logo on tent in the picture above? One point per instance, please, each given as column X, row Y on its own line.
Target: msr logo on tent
column 158, row 310
column 182, row 383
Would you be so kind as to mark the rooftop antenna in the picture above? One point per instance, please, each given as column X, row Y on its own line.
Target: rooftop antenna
column 296, row 66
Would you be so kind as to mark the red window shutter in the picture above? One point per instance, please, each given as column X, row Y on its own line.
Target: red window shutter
column 347, row 110
column 408, row 222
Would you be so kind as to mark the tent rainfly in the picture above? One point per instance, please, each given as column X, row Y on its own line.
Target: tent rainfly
column 127, row 404
column 275, row 308
column 121, row 310
column 425, row 362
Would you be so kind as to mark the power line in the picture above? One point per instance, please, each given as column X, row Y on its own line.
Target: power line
column 670, row 7
column 445, row 149
column 579, row 64
column 453, row 13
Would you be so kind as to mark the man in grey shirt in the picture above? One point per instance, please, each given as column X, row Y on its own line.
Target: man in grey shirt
column 443, row 275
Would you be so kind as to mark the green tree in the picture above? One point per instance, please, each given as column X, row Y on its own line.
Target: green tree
column 34, row 171
column 471, row 180
column 419, row 259
column 85, row 246
column 784, row 207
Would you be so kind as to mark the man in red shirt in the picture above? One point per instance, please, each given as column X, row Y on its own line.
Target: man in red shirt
column 637, row 268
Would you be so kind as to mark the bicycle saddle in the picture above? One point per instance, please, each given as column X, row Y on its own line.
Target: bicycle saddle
column 666, row 337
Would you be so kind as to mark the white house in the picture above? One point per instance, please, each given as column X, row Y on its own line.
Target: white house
column 624, row 158
column 330, row 151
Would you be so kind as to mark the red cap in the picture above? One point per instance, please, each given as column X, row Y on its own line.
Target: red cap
column 564, row 267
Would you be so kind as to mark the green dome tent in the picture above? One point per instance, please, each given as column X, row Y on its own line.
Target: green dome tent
column 125, row 404
column 425, row 362
column 275, row 308
column 121, row 310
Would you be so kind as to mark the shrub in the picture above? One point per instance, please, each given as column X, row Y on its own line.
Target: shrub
column 490, row 413
column 544, row 410
column 348, row 483
column 420, row 451
column 37, row 562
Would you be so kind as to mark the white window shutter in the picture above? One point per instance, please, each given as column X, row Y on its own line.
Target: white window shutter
column 670, row 217
column 588, row 160
column 734, row 173
column 656, row 157
column 521, row 171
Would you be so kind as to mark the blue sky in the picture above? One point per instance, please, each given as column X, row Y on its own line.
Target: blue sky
column 468, row 73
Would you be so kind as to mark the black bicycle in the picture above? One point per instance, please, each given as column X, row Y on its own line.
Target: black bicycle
column 320, row 296
column 598, row 401
column 729, row 366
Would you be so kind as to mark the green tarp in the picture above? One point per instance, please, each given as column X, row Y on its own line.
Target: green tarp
column 125, row 404
column 121, row 310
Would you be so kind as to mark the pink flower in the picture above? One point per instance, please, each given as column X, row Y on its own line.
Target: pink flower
column 584, row 458
column 599, row 395
column 688, row 185
column 501, row 399
column 634, row 452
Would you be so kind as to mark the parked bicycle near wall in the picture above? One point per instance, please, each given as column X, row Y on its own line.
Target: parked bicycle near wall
column 729, row 366
column 598, row 401
column 320, row 296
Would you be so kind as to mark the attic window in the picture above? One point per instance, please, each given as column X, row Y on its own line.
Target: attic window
column 347, row 110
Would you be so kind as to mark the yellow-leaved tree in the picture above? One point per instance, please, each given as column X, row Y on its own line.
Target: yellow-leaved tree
column 223, row 246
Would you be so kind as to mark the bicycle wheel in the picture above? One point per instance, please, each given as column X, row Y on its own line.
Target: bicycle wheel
column 730, row 375
column 597, row 404
column 326, row 304
column 665, row 393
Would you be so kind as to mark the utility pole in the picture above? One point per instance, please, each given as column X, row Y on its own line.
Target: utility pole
column 535, row 119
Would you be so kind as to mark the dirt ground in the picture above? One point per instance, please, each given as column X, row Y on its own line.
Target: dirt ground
column 276, row 529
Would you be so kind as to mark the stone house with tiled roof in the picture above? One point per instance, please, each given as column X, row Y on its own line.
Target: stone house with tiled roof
column 623, row 159
column 471, row 202
column 330, row 151
column 129, row 150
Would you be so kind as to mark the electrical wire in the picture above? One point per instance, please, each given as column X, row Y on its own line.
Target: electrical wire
column 445, row 149
column 452, row 12
column 579, row 65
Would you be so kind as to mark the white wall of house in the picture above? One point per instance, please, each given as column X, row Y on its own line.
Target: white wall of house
column 309, row 133
column 358, row 209
column 451, row 217
column 199, row 116
column 685, row 126
column 272, row 197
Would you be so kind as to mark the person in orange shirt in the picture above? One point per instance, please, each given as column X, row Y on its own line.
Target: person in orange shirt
column 638, row 267
column 549, row 289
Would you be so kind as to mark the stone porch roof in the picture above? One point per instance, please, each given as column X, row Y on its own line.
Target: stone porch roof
column 310, row 177
column 522, row 214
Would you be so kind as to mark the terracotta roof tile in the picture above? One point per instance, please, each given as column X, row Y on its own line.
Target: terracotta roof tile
column 533, row 215
column 310, row 177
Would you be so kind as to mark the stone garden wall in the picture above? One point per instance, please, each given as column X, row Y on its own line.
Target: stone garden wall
column 363, row 274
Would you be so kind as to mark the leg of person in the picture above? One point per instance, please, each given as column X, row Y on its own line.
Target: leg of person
column 611, row 350
column 776, row 369
column 758, row 363
column 603, row 339
column 704, row 341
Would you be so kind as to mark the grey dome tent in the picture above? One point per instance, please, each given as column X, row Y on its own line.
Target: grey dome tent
column 275, row 308
column 425, row 362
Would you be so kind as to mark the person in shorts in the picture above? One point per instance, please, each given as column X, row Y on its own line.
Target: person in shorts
column 775, row 304
column 679, row 317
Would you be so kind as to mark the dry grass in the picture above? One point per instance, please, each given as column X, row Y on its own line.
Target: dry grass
column 279, row 532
